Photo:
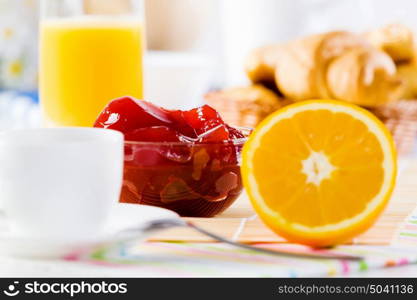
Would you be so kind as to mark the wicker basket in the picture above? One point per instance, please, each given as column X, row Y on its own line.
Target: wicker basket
column 401, row 119
column 244, row 106
column 249, row 106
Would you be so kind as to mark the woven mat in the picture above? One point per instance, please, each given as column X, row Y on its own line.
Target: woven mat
column 240, row 222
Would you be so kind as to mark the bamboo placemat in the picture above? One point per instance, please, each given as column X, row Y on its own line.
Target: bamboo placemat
column 240, row 223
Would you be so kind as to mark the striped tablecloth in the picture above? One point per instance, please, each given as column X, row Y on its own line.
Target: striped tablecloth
column 390, row 243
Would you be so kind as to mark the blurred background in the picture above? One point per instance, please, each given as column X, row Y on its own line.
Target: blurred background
column 193, row 46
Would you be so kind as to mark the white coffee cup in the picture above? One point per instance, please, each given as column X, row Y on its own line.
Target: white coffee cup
column 60, row 183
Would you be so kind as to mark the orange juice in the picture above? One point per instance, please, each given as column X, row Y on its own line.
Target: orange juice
column 84, row 63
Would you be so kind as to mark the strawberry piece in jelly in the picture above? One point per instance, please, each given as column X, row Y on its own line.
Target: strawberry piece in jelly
column 148, row 157
column 152, row 154
column 153, row 134
column 177, row 190
column 127, row 114
column 234, row 133
column 217, row 134
column 203, row 119
column 181, row 125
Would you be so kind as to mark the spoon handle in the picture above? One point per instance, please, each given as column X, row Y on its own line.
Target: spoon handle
column 162, row 224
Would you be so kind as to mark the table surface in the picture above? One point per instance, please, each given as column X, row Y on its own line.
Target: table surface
column 240, row 223
column 403, row 202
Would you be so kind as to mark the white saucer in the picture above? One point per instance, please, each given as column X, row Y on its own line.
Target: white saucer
column 123, row 216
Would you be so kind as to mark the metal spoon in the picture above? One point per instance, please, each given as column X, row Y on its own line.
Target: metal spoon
column 161, row 224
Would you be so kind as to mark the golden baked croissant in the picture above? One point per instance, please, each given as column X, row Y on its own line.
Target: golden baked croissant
column 407, row 72
column 261, row 62
column 395, row 39
column 365, row 77
column 338, row 65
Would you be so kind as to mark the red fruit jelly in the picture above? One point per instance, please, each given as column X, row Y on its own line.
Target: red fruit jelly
column 186, row 161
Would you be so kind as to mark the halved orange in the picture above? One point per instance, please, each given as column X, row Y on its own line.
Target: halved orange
column 319, row 172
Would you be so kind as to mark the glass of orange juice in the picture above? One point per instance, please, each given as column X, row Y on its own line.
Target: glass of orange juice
column 90, row 53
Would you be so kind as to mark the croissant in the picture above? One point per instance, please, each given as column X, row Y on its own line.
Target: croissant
column 337, row 65
column 261, row 63
column 365, row 77
column 408, row 74
column 395, row 39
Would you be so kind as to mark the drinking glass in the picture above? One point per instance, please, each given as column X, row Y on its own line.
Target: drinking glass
column 91, row 51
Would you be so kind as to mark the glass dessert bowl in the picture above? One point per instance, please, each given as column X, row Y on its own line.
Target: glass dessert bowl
column 186, row 161
column 198, row 180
